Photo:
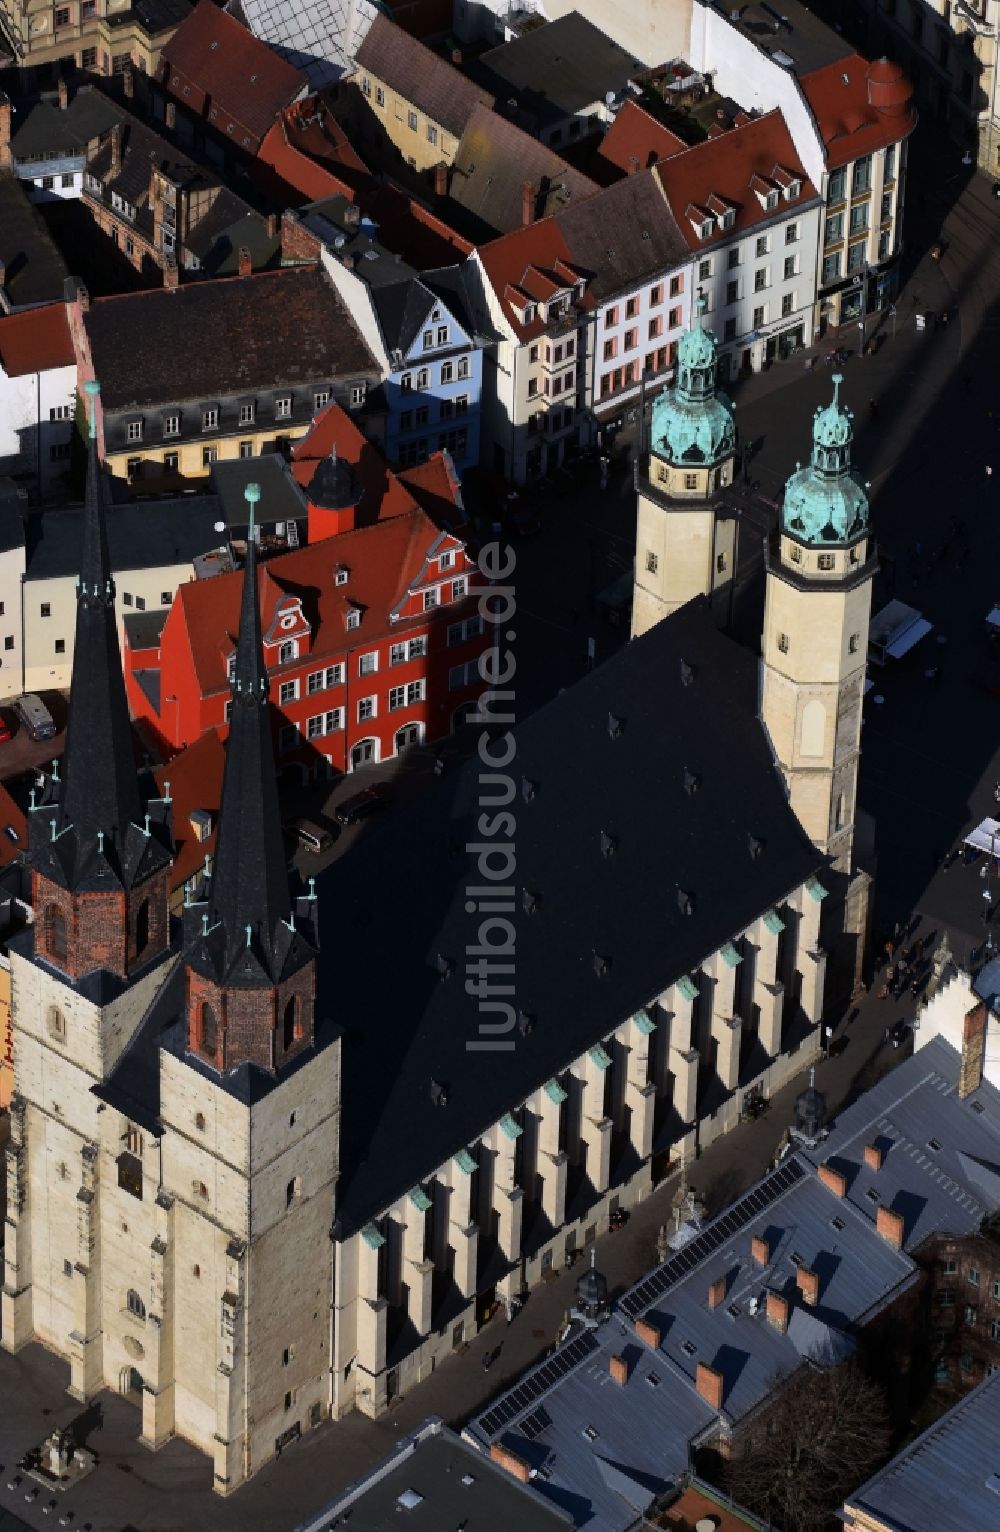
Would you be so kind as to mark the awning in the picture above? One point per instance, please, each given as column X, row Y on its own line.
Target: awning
column 986, row 837
column 905, row 641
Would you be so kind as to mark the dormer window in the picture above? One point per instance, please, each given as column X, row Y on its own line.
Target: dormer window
column 728, row 218
column 705, row 231
column 529, row 312
column 341, row 575
column 446, row 560
column 353, row 619
column 792, row 190
column 771, row 200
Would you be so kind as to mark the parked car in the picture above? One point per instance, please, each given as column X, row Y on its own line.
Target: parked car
column 368, row 801
column 310, row 836
column 35, row 716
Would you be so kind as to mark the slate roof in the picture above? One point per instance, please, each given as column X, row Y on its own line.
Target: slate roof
column 456, row 1486
column 422, row 77
column 218, row 68
column 281, row 498
column 948, row 1478
column 141, row 535
column 281, row 327
column 406, row 1024
column 807, row 42
column 43, row 127
column 36, row 341
column 557, row 70
column 646, row 1429
column 494, row 160
column 34, row 270
column 623, row 236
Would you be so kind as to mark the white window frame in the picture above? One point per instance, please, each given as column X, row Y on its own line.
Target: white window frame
column 368, row 663
column 288, row 692
column 134, row 431
column 171, row 425
column 367, row 703
column 210, row 419
column 283, row 407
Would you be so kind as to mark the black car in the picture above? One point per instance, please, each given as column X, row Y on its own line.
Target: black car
column 368, row 801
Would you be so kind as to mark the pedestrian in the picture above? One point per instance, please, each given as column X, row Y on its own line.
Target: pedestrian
column 989, row 471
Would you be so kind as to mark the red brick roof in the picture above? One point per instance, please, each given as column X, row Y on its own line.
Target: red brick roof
column 35, row 341
column 215, row 67
column 195, row 777
column 635, row 140
column 11, row 815
column 522, row 265
column 384, row 560
column 437, row 489
column 382, row 495
column 859, row 107
column 758, row 154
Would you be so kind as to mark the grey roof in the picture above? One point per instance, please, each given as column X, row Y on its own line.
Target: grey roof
column 555, row 71
column 281, row 499
column 229, row 226
column 141, row 535
column 949, row 1478
column 456, row 1485
column 34, row 270
column 43, row 127
column 143, row 629
column 803, row 40
column 647, row 1429
column 431, row 83
column 492, row 163
column 623, row 236
column 622, row 908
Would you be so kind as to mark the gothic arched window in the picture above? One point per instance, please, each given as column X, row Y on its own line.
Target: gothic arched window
column 134, row 1304
column 142, row 928
column 55, row 930
column 288, row 1024
column 208, row 1029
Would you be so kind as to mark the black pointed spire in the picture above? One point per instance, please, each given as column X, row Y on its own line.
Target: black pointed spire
column 249, row 896
column 100, row 792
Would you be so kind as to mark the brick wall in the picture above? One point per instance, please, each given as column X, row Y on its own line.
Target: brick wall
column 249, row 1023
column 297, row 244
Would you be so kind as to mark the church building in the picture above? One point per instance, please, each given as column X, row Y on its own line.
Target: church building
column 272, row 1163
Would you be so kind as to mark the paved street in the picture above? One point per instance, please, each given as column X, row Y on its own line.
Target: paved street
column 930, row 762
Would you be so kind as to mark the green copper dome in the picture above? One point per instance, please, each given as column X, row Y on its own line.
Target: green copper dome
column 824, row 503
column 691, row 422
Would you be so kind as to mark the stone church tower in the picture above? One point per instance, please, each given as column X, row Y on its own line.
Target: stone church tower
column 820, row 568
column 685, row 539
column 175, row 1133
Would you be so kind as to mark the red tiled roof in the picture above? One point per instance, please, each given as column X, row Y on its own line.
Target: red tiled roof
column 35, row 341
column 195, row 777
column 859, row 107
column 214, row 66
column 436, row 488
column 635, row 140
column 384, row 560
column 11, row 815
column 525, row 260
column 285, row 149
column 422, row 238
column 726, row 166
column 382, row 495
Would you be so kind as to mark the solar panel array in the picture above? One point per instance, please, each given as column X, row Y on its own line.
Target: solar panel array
column 536, row 1384
column 718, row 1232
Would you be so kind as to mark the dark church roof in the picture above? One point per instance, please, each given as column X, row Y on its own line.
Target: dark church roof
column 645, row 790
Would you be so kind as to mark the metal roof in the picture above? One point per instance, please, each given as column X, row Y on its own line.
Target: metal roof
column 948, row 1478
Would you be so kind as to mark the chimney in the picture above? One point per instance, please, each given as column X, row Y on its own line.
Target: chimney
column 618, row 1367
column 456, row 55
column 649, row 1333
column 633, row 164
column 890, row 1226
column 349, row 259
column 171, row 275
column 351, row 215
column 514, row 1464
column 833, row 1180
column 244, row 265
column 62, row 93
column 527, row 204
column 874, row 1157
column 716, row 1292
column 5, row 113
column 440, row 180
column 709, row 1384
column 272, row 225
column 170, row 115
column 117, row 135
column 808, row 1284
column 128, row 84
column 760, row 1250
column 970, row 1071
column 776, row 1309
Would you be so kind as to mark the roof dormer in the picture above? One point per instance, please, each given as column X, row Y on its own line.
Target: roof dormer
column 789, row 181
column 700, row 219
column 765, row 191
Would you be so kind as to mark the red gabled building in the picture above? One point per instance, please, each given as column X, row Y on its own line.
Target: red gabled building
column 371, row 640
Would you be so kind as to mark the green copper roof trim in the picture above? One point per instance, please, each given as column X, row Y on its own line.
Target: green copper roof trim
column 773, row 923
column 554, row 1091
column 372, row 1237
column 816, row 890
column 465, row 1162
column 730, row 956
column 420, row 1199
column 644, row 1021
column 687, row 988
column 599, row 1056
column 508, row 1126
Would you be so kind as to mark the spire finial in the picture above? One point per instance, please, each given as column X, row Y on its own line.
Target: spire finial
column 251, row 495
column 701, row 308
column 92, row 388
column 838, row 378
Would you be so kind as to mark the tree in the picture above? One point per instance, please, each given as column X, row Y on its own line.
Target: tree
column 824, row 1435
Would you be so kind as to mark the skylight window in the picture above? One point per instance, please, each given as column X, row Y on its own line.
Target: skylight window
column 688, row 1347
column 409, row 1500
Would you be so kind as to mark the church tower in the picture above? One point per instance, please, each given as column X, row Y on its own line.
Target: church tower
column 685, row 545
column 820, row 567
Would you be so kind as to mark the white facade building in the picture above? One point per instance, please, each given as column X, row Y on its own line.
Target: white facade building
column 37, row 398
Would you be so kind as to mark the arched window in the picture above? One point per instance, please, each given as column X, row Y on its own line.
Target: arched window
column 134, row 1304
column 208, row 1030
column 288, row 1024
column 55, row 930
column 142, row 928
